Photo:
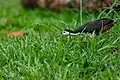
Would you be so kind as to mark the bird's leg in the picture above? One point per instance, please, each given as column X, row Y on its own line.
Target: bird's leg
column 92, row 35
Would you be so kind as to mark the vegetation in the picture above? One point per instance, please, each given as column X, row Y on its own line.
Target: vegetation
column 45, row 54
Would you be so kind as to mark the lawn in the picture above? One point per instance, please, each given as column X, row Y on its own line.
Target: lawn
column 45, row 54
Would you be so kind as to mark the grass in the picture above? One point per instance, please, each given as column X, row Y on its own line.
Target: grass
column 44, row 54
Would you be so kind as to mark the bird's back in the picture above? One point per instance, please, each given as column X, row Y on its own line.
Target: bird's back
column 90, row 27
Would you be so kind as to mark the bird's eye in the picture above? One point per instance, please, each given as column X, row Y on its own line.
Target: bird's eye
column 63, row 31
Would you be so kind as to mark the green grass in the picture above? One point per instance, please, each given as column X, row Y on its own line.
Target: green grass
column 44, row 54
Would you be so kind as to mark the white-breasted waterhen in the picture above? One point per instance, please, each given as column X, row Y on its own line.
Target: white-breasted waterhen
column 97, row 26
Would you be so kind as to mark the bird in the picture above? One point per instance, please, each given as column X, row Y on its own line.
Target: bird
column 96, row 27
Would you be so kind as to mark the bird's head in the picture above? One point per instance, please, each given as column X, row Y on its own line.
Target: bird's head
column 65, row 32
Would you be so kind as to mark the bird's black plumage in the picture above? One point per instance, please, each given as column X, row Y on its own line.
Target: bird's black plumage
column 96, row 26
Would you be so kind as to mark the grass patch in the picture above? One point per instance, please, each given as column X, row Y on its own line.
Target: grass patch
column 45, row 54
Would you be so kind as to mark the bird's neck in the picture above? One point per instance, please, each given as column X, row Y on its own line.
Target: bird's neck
column 71, row 32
